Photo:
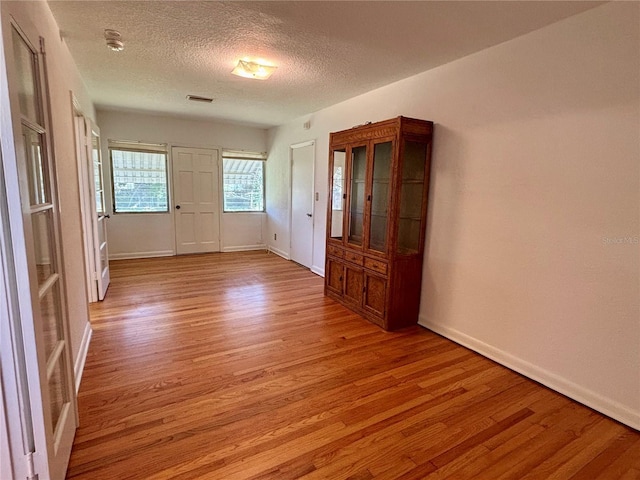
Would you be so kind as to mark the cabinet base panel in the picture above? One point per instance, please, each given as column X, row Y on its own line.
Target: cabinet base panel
column 387, row 324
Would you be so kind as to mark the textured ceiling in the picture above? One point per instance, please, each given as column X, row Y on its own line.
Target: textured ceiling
column 326, row 52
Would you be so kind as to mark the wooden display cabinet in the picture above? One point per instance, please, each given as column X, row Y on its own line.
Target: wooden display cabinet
column 376, row 219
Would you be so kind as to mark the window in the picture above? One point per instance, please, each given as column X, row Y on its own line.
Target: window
column 243, row 181
column 139, row 178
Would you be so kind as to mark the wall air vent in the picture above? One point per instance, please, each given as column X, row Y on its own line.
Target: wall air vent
column 198, row 98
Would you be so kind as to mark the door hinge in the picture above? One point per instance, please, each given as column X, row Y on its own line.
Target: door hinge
column 31, row 470
column 42, row 50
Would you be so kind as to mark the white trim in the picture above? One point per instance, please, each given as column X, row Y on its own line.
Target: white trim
column 137, row 146
column 560, row 384
column 131, row 255
column 221, row 212
column 244, row 248
column 82, row 355
column 279, row 252
column 6, row 462
column 12, row 425
column 317, row 270
column 243, row 155
column 191, row 145
column 308, row 143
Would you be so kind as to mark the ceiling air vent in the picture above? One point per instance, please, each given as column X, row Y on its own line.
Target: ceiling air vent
column 198, row 98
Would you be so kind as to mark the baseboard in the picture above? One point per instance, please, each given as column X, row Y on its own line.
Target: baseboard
column 131, row 255
column 244, row 248
column 560, row 384
column 317, row 270
column 82, row 355
column 279, row 252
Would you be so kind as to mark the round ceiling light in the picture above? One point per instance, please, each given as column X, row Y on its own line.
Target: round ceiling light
column 114, row 40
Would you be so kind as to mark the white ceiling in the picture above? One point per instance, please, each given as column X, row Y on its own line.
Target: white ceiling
column 326, row 51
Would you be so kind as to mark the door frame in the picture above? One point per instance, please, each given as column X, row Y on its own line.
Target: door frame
column 14, row 383
column 314, row 195
column 82, row 158
column 98, row 219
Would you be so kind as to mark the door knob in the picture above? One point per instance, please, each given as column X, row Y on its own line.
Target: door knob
column 177, row 207
column 309, row 215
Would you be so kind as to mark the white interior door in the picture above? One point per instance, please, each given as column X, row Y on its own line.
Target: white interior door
column 91, row 201
column 86, row 199
column 100, row 215
column 196, row 195
column 302, row 161
column 40, row 331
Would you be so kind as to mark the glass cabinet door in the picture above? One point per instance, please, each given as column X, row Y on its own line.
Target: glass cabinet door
column 411, row 193
column 380, row 187
column 356, row 194
column 337, row 195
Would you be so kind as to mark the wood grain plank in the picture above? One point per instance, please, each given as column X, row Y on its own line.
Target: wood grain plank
column 235, row 365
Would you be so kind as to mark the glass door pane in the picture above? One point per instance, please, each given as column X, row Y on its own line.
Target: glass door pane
column 25, row 63
column 50, row 313
column 97, row 173
column 412, row 188
column 382, row 154
column 58, row 396
column 356, row 194
column 337, row 196
column 41, row 224
column 36, row 170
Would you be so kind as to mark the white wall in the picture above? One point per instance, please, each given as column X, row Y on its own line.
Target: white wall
column 145, row 235
column 243, row 231
column 532, row 254
column 63, row 78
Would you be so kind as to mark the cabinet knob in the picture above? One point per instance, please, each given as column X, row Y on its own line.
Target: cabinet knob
column 177, row 207
column 309, row 215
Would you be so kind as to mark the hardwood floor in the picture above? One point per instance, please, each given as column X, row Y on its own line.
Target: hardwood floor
column 235, row 366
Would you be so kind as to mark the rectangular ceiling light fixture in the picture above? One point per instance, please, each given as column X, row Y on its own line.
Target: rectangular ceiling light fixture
column 248, row 69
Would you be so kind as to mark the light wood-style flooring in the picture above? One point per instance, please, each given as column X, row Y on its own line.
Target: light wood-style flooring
column 235, row 366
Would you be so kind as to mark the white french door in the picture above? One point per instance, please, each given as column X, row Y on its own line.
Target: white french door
column 99, row 213
column 302, row 160
column 86, row 199
column 196, row 199
column 39, row 332
column 94, row 215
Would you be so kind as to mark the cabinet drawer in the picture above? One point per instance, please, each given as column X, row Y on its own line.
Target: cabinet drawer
column 335, row 251
column 353, row 257
column 375, row 265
